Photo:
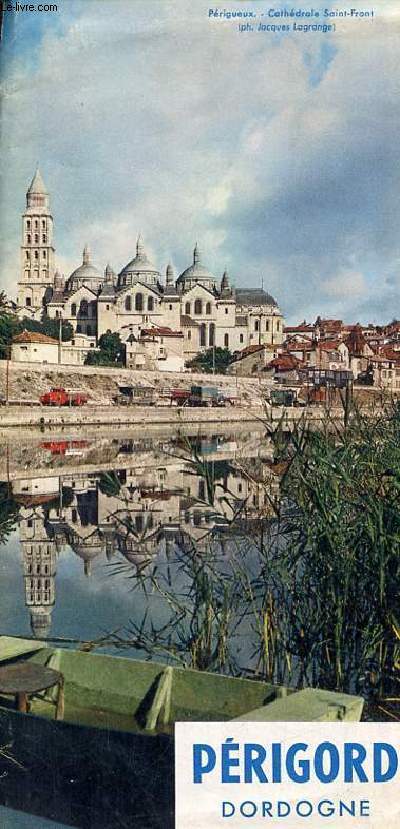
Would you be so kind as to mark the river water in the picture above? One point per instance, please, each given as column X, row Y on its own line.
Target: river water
column 96, row 531
column 158, row 545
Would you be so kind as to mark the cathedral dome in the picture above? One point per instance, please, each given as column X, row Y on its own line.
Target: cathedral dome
column 196, row 274
column 86, row 274
column 255, row 297
column 139, row 269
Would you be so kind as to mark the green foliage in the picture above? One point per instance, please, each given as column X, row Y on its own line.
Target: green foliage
column 221, row 358
column 10, row 325
column 48, row 326
column 308, row 596
column 109, row 484
column 8, row 328
column 341, row 526
column 8, row 513
column 111, row 351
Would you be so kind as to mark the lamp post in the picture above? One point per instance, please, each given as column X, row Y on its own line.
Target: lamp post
column 59, row 336
column 8, row 358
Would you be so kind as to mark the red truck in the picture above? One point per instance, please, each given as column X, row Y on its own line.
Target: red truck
column 180, row 397
column 62, row 397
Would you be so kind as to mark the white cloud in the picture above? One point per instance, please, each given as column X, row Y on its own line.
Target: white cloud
column 149, row 117
column 347, row 284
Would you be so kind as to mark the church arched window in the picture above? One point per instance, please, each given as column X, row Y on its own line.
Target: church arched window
column 89, row 331
column 73, row 309
column 84, row 308
column 198, row 306
column 44, row 238
column 28, row 224
column 36, row 254
column 226, row 340
column 36, row 238
column 128, row 303
column 36, row 223
column 44, row 224
column 27, row 254
column 139, row 302
column 93, row 308
column 44, row 255
column 202, row 335
column 28, row 238
column 150, row 303
column 211, row 335
column 208, row 308
column 28, row 302
column 187, row 308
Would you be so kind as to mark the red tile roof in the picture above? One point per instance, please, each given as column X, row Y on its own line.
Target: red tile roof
column 285, row 362
column 300, row 346
column 250, row 349
column 293, row 329
column 356, row 341
column 330, row 345
column 33, row 337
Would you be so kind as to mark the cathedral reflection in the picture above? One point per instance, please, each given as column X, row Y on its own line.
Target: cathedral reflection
column 190, row 494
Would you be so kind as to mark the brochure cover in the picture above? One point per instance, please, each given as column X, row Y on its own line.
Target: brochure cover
column 199, row 414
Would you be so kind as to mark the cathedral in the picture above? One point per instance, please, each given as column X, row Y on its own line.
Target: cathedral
column 196, row 306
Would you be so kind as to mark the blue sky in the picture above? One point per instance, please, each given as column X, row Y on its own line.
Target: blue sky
column 279, row 154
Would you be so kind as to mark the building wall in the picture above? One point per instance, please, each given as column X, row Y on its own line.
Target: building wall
column 34, row 352
column 252, row 363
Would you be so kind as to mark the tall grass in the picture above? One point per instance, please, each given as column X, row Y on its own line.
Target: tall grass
column 311, row 596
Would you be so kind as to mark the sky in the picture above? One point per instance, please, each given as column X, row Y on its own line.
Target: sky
column 277, row 153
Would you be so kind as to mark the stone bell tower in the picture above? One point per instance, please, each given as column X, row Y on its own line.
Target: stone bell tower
column 37, row 251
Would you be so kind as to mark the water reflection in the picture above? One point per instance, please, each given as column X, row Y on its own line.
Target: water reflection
column 152, row 499
column 194, row 550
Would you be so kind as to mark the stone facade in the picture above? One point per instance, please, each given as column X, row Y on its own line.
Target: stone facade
column 209, row 312
column 31, row 347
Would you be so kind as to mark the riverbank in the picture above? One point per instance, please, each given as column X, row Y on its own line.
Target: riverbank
column 27, row 381
column 42, row 417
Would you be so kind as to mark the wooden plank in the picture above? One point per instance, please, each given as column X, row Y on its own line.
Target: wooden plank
column 309, row 705
column 11, row 647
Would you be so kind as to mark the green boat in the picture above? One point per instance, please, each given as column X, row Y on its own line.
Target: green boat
column 112, row 718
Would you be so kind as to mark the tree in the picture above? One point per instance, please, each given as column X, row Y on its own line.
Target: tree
column 48, row 326
column 111, row 351
column 9, row 326
column 8, row 512
column 220, row 358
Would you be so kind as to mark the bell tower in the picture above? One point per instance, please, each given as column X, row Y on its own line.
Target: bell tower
column 37, row 251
